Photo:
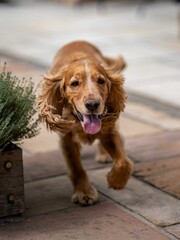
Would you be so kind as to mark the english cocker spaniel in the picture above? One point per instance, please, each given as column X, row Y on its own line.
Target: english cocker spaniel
column 81, row 99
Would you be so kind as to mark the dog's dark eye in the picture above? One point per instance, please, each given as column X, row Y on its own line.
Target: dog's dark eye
column 101, row 80
column 75, row 84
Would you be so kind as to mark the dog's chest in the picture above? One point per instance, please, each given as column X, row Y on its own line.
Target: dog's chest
column 81, row 137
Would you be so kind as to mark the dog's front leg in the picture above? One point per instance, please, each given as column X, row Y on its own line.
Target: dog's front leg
column 84, row 192
column 122, row 165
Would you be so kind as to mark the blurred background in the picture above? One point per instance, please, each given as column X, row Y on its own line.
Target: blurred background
column 145, row 32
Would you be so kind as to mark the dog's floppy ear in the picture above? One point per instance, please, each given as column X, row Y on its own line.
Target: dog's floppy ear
column 116, row 98
column 51, row 102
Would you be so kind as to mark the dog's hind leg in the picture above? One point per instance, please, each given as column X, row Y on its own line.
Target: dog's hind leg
column 102, row 155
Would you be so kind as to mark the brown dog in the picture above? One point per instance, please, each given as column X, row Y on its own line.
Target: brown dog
column 82, row 98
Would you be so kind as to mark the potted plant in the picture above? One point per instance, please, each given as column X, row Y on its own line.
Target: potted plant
column 17, row 107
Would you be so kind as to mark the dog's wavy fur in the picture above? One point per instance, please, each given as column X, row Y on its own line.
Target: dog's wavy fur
column 56, row 105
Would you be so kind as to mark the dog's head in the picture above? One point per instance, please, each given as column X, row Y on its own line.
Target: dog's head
column 92, row 93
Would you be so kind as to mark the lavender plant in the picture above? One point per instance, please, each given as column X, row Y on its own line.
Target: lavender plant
column 17, row 108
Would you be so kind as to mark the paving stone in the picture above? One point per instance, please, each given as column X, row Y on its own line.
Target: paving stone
column 43, row 165
column 52, row 163
column 142, row 71
column 96, row 222
column 163, row 173
column 152, row 88
column 164, row 145
column 174, row 230
column 151, row 116
column 48, row 195
column 45, row 141
column 151, row 203
column 130, row 127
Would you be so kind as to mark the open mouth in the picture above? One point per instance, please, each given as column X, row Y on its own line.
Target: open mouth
column 91, row 123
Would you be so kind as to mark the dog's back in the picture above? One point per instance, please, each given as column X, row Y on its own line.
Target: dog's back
column 75, row 51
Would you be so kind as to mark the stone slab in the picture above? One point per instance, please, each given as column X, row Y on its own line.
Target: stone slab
column 45, row 141
column 174, row 230
column 52, row 163
column 43, row 165
column 163, row 145
column 149, row 115
column 163, row 173
column 151, row 203
column 153, row 88
column 49, row 195
column 137, row 71
column 102, row 221
column 131, row 127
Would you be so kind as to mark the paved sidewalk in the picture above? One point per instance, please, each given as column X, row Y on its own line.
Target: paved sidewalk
column 148, row 208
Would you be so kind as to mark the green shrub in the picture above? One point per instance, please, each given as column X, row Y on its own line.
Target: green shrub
column 17, row 100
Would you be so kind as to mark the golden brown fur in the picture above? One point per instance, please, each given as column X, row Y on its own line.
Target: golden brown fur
column 82, row 97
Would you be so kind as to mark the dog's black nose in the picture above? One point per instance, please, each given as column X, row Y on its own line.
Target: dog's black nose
column 92, row 105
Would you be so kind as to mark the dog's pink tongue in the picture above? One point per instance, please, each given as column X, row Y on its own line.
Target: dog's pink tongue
column 91, row 124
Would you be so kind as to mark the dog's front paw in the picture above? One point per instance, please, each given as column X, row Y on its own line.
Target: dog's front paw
column 119, row 174
column 85, row 197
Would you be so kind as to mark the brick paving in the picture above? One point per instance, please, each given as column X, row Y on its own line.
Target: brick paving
column 148, row 208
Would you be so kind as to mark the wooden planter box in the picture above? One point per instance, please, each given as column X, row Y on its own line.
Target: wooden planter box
column 11, row 182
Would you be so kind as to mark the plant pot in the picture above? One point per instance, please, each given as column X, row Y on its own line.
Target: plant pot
column 11, row 182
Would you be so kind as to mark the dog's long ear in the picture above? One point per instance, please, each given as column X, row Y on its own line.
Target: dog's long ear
column 51, row 102
column 116, row 98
